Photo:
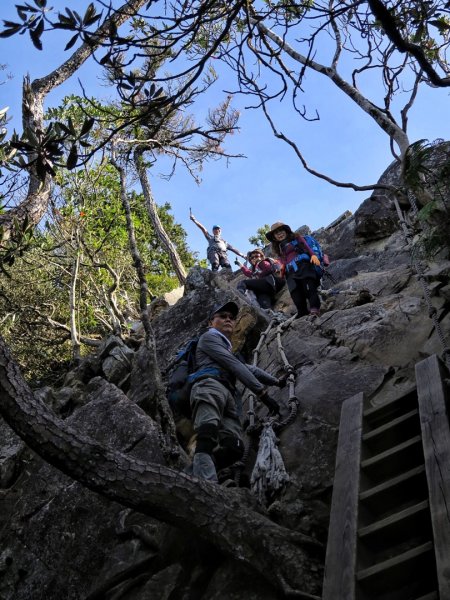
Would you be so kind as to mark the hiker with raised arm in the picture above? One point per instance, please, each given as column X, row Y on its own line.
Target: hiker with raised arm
column 264, row 278
column 302, row 268
column 217, row 247
column 215, row 402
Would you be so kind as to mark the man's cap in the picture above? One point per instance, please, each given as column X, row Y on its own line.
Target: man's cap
column 216, row 227
column 230, row 307
column 275, row 226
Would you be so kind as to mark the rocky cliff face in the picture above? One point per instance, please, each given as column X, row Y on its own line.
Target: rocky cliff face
column 59, row 540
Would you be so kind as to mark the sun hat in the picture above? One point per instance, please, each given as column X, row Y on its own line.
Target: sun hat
column 275, row 226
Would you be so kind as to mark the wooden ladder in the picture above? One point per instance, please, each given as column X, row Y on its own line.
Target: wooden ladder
column 389, row 534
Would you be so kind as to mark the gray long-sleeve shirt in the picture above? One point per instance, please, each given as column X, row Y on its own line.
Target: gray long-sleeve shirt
column 214, row 350
column 217, row 244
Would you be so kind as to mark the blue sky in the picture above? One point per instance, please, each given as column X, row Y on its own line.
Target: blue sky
column 269, row 184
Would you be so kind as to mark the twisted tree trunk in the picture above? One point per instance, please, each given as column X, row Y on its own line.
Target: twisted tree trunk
column 156, row 221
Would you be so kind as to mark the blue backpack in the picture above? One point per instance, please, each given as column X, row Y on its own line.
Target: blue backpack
column 317, row 249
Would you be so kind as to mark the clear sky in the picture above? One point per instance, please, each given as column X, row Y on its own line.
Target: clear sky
column 270, row 184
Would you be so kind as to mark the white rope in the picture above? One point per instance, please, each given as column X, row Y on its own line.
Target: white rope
column 269, row 473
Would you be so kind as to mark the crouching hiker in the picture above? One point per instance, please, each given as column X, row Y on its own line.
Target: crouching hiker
column 264, row 275
column 216, row 406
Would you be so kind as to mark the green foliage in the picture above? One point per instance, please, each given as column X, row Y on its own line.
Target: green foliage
column 416, row 164
column 427, row 173
column 86, row 220
column 259, row 239
column 31, row 295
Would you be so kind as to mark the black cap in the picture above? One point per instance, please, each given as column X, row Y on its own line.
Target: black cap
column 230, row 306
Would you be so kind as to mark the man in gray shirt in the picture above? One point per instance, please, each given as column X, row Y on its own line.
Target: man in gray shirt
column 217, row 247
column 215, row 404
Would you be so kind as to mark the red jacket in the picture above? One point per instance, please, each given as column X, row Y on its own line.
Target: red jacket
column 262, row 269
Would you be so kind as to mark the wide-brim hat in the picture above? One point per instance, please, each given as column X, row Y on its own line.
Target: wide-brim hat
column 275, row 226
column 230, row 306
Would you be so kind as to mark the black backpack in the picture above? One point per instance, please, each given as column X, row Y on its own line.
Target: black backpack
column 178, row 384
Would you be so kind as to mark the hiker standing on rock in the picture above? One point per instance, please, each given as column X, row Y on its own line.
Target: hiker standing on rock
column 216, row 405
column 217, row 247
column 264, row 278
column 300, row 271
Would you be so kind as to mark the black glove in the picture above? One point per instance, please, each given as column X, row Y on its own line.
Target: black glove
column 272, row 405
column 282, row 380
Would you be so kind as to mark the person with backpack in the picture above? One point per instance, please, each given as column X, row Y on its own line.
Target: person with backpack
column 216, row 405
column 264, row 275
column 301, row 265
column 217, row 247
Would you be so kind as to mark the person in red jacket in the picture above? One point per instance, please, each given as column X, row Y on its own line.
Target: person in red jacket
column 264, row 275
column 299, row 263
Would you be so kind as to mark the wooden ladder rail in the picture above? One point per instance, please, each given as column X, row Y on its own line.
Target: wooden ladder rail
column 435, row 428
column 340, row 562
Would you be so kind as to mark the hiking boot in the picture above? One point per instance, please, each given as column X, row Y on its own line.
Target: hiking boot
column 203, row 467
column 314, row 313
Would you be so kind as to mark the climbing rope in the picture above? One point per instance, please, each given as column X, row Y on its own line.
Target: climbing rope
column 256, row 351
column 269, row 473
column 326, row 293
column 292, row 398
column 432, row 312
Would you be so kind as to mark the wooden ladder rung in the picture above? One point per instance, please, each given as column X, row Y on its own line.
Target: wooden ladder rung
column 375, row 416
column 391, row 452
column 389, row 425
column 399, row 457
column 392, row 520
column 390, row 483
column 395, row 493
column 396, row 528
column 397, row 569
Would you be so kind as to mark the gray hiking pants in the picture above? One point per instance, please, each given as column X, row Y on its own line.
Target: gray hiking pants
column 213, row 405
column 218, row 258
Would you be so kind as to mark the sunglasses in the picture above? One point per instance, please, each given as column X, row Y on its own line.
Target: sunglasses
column 225, row 315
